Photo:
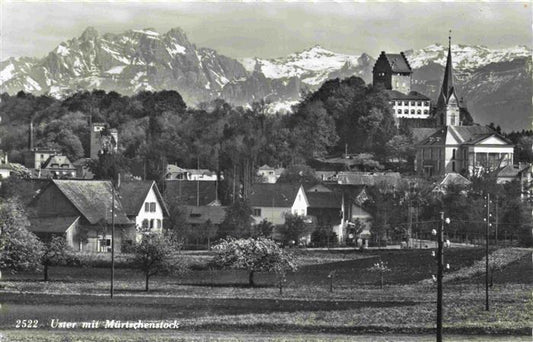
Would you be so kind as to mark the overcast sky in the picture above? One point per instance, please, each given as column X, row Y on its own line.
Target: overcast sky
column 272, row 29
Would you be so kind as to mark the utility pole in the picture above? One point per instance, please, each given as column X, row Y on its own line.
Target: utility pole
column 440, row 266
column 112, row 237
column 487, row 253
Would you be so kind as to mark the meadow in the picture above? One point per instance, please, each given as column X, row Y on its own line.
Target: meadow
column 220, row 300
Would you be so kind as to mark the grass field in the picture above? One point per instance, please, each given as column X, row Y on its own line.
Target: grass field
column 216, row 300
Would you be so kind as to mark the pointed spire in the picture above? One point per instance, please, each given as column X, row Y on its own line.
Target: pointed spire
column 447, row 82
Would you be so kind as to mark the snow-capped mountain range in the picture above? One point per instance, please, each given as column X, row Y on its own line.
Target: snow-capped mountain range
column 490, row 79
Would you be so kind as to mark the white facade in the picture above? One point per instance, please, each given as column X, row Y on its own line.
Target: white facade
column 150, row 215
column 411, row 108
column 276, row 215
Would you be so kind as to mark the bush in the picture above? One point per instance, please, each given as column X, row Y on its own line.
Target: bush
column 324, row 237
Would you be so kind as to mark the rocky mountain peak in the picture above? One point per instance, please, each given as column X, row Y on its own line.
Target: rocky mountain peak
column 89, row 33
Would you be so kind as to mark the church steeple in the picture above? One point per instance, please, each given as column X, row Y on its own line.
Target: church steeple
column 447, row 102
column 447, row 88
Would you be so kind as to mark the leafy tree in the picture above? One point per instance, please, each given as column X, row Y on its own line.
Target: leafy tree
column 177, row 224
column 381, row 268
column 156, row 254
column 19, row 248
column 293, row 229
column 314, row 131
column 56, row 251
column 108, row 166
column 263, row 228
column 516, row 219
column 253, row 255
column 238, row 220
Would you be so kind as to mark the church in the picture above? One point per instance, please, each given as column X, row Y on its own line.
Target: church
column 446, row 139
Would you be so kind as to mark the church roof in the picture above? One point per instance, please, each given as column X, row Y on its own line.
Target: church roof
column 470, row 135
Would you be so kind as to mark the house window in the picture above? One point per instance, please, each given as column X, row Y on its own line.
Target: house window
column 419, row 103
column 426, row 111
column 412, row 103
column 453, row 153
column 419, row 112
column 399, row 111
column 152, row 207
column 453, row 166
column 406, row 111
column 257, row 212
column 146, row 223
column 152, row 223
column 158, row 224
column 146, row 207
column 405, row 103
column 426, row 103
column 412, row 111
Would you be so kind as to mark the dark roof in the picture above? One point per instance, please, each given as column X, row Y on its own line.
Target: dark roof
column 468, row 133
column 463, row 134
column 398, row 62
column 93, row 199
column 200, row 215
column 273, row 195
column 133, row 195
column 187, row 192
column 413, row 95
column 324, row 199
column 420, row 134
column 437, row 138
column 52, row 224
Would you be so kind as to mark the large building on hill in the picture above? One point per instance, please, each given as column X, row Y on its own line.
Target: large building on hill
column 393, row 72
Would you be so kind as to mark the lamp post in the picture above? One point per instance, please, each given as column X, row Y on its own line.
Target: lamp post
column 487, row 226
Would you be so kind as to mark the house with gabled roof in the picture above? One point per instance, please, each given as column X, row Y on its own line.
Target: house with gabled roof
column 82, row 211
column 144, row 205
column 272, row 202
column 57, row 166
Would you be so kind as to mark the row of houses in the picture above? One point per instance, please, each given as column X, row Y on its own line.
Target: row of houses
column 84, row 210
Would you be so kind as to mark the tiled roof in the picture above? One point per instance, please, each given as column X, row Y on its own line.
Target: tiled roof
column 420, row 134
column 200, row 215
column 413, row 95
column 57, row 225
column 398, row 62
column 186, row 191
column 437, row 138
column 324, row 199
column 273, row 195
column 93, row 199
column 467, row 133
column 133, row 195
